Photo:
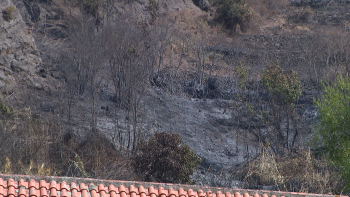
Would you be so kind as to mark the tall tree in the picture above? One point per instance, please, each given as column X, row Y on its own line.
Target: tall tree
column 285, row 90
column 130, row 61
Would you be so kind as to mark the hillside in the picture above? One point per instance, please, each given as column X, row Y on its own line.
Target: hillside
column 82, row 81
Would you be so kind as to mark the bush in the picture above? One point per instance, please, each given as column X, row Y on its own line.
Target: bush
column 233, row 13
column 165, row 159
column 9, row 13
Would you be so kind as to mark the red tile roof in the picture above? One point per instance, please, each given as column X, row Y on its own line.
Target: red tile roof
column 50, row 186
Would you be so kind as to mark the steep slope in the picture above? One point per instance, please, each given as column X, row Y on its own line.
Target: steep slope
column 221, row 112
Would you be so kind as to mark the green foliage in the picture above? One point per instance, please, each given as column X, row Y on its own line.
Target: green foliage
column 163, row 158
column 6, row 110
column 9, row 13
column 285, row 87
column 333, row 130
column 233, row 13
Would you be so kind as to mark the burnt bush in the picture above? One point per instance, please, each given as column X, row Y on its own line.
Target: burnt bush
column 210, row 88
column 202, row 4
column 9, row 13
column 165, row 159
column 213, row 88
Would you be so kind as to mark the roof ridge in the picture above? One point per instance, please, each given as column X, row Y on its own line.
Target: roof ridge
column 35, row 186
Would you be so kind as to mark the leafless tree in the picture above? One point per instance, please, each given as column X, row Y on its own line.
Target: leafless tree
column 130, row 60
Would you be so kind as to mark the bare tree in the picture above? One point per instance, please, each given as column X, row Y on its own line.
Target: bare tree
column 130, row 61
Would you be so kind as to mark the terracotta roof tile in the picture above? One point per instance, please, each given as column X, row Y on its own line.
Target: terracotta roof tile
column 36, row 186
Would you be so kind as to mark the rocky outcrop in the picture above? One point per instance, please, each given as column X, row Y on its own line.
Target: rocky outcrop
column 19, row 57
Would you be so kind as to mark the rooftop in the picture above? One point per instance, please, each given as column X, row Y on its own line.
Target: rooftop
column 47, row 186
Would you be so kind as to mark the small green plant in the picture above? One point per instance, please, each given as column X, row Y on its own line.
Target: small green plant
column 242, row 75
column 6, row 110
column 9, row 13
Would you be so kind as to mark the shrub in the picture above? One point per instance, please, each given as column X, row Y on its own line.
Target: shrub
column 9, row 13
column 165, row 159
column 285, row 87
column 233, row 13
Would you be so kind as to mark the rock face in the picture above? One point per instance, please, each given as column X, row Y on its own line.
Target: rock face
column 141, row 9
column 19, row 57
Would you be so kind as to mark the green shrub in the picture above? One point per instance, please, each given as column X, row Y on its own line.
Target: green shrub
column 242, row 75
column 333, row 129
column 9, row 13
column 233, row 13
column 165, row 159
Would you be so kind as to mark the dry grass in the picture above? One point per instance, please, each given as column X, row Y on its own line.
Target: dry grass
column 301, row 172
column 268, row 7
column 36, row 145
column 28, row 141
